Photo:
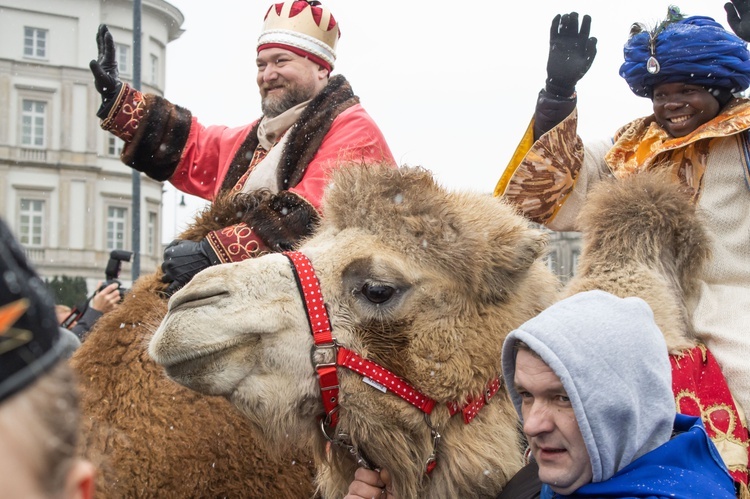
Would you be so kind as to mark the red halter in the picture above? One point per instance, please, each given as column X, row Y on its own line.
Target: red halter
column 373, row 374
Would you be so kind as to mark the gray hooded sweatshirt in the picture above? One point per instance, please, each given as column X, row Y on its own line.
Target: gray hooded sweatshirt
column 613, row 362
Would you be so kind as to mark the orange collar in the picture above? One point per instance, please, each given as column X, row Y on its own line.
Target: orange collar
column 644, row 144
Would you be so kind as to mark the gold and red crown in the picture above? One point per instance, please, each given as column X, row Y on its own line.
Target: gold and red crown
column 300, row 31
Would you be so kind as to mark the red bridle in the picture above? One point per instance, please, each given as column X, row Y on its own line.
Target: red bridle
column 373, row 374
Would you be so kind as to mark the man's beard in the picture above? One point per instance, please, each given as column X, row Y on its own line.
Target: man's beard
column 273, row 105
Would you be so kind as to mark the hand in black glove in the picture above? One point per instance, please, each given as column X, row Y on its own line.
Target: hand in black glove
column 571, row 53
column 183, row 259
column 106, row 75
column 738, row 17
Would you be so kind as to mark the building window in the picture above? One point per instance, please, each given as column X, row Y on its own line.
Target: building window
column 116, row 223
column 35, row 43
column 122, row 52
column 154, row 70
column 33, row 118
column 114, row 145
column 31, row 222
column 151, row 248
column 574, row 256
column 552, row 261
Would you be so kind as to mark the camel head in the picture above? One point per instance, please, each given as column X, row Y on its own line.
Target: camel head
column 418, row 280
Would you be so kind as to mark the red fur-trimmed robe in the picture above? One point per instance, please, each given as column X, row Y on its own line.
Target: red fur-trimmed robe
column 166, row 142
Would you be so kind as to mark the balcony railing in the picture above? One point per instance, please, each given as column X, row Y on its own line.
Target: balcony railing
column 52, row 261
column 35, row 255
column 25, row 154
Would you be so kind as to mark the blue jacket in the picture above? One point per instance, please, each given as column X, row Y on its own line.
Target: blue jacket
column 688, row 466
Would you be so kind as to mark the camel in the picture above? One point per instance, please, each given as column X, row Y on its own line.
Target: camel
column 151, row 438
column 425, row 283
column 420, row 281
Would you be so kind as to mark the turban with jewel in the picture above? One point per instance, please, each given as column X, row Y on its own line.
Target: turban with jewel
column 695, row 50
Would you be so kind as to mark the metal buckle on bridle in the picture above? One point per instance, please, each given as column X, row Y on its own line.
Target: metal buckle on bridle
column 325, row 425
column 432, row 458
column 323, row 348
column 343, row 440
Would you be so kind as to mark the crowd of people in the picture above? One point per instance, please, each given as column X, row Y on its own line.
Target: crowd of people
column 590, row 376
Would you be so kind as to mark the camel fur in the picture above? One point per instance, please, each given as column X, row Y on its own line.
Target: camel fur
column 643, row 237
column 424, row 282
column 152, row 438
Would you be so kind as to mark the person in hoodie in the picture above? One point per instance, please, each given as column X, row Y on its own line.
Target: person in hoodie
column 591, row 381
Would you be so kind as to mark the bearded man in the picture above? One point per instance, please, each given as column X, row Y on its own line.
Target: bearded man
column 312, row 123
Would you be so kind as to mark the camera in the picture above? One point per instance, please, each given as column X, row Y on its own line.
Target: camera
column 114, row 266
column 112, row 272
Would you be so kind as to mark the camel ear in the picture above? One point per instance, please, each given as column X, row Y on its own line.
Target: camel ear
column 511, row 255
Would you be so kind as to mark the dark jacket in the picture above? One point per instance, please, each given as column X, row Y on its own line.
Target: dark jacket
column 524, row 485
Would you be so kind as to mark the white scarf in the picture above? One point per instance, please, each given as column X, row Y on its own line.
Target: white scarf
column 263, row 175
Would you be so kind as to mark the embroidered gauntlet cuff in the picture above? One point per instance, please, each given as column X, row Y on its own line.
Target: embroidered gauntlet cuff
column 236, row 243
column 126, row 114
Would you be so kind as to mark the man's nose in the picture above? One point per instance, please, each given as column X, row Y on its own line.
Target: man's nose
column 673, row 104
column 269, row 73
column 537, row 420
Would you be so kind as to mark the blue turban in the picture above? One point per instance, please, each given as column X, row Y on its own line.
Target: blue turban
column 695, row 50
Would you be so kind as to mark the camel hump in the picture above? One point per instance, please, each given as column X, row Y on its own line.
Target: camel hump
column 647, row 217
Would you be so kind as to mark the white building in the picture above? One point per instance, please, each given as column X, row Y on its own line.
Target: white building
column 563, row 253
column 63, row 190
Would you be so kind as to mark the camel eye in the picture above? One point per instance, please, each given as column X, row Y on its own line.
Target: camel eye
column 377, row 293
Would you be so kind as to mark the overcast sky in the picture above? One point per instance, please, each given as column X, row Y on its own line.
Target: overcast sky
column 452, row 85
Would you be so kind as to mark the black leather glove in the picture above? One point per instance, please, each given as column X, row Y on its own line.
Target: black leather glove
column 183, row 259
column 106, row 75
column 738, row 17
column 571, row 53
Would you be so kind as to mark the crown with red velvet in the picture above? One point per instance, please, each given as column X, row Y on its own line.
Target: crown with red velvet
column 304, row 27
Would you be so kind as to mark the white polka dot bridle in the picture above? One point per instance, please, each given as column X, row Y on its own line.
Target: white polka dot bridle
column 328, row 355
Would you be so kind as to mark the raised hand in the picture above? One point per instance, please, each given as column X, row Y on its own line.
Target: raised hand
column 571, row 53
column 738, row 17
column 106, row 75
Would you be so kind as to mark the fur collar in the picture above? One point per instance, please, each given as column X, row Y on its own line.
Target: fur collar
column 305, row 136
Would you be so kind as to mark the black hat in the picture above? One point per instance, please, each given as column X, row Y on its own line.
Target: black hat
column 29, row 334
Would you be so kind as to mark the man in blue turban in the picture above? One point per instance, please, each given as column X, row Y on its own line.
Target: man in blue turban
column 692, row 70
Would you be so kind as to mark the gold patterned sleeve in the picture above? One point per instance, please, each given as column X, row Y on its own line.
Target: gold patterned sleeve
column 542, row 174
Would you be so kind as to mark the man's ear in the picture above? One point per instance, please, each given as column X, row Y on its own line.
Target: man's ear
column 79, row 484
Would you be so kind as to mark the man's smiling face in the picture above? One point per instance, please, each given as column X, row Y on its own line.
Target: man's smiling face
column 681, row 108
column 286, row 79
